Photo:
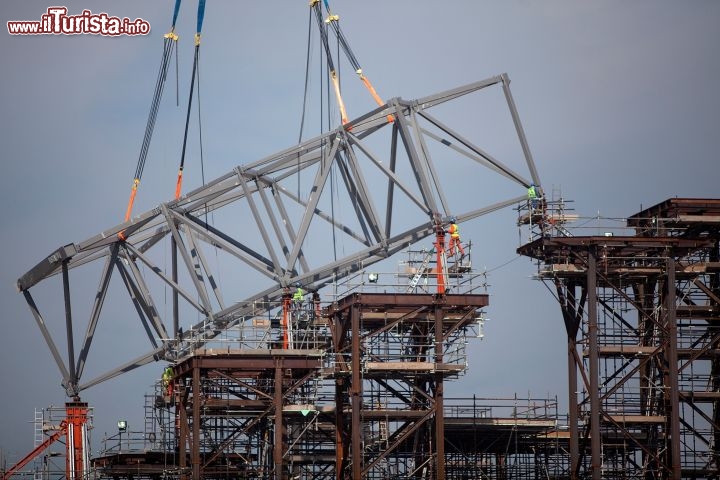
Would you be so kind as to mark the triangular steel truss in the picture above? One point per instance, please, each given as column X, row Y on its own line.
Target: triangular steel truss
column 268, row 216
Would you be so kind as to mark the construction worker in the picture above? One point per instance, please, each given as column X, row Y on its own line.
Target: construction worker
column 167, row 381
column 454, row 232
column 299, row 295
column 532, row 196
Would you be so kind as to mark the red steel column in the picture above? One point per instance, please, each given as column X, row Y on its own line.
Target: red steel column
column 76, row 445
column 440, row 265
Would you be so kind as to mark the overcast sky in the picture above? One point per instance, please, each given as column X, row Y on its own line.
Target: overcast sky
column 619, row 101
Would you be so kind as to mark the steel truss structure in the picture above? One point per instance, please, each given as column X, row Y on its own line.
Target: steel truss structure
column 267, row 225
column 370, row 404
column 641, row 315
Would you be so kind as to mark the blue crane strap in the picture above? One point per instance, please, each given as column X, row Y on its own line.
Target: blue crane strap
column 175, row 12
column 201, row 15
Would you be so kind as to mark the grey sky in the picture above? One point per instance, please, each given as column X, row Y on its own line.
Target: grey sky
column 619, row 101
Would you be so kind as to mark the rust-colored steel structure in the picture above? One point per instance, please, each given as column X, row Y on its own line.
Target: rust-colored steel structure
column 369, row 404
column 641, row 313
column 404, row 380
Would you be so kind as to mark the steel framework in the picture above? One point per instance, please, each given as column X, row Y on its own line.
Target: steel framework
column 268, row 226
column 370, row 404
column 641, row 315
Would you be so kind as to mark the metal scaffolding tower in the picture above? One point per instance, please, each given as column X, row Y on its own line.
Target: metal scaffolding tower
column 641, row 315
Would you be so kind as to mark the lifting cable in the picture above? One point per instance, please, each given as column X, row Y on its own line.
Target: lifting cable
column 305, row 96
column 315, row 4
column 334, row 21
column 200, row 17
column 170, row 39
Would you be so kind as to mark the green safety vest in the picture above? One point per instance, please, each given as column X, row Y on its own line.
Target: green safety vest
column 299, row 294
column 531, row 193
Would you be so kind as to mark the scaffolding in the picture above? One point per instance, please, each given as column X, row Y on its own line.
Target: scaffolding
column 73, row 423
column 351, row 388
column 640, row 313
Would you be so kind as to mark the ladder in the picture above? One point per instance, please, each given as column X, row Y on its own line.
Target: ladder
column 383, row 431
column 38, row 424
column 150, row 406
column 39, row 438
column 416, row 278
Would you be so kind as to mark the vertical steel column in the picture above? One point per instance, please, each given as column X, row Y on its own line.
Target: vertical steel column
column 573, row 408
column 672, row 359
column 439, row 393
column 501, row 462
column 278, row 440
column 76, row 445
column 339, row 340
column 195, row 452
column 355, row 394
column 181, row 410
column 440, row 265
column 285, row 320
column 595, row 451
column 340, row 446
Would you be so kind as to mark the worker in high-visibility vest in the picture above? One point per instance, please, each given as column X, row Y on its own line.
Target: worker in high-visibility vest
column 167, row 381
column 454, row 232
column 532, row 196
column 299, row 295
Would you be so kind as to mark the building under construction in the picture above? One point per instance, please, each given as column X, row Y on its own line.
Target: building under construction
column 287, row 357
column 284, row 385
column 354, row 388
column 355, row 392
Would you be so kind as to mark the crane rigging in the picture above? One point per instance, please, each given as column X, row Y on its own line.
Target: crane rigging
column 193, row 77
column 169, row 43
column 333, row 20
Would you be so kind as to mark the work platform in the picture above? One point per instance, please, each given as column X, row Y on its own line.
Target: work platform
column 641, row 313
column 484, row 438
